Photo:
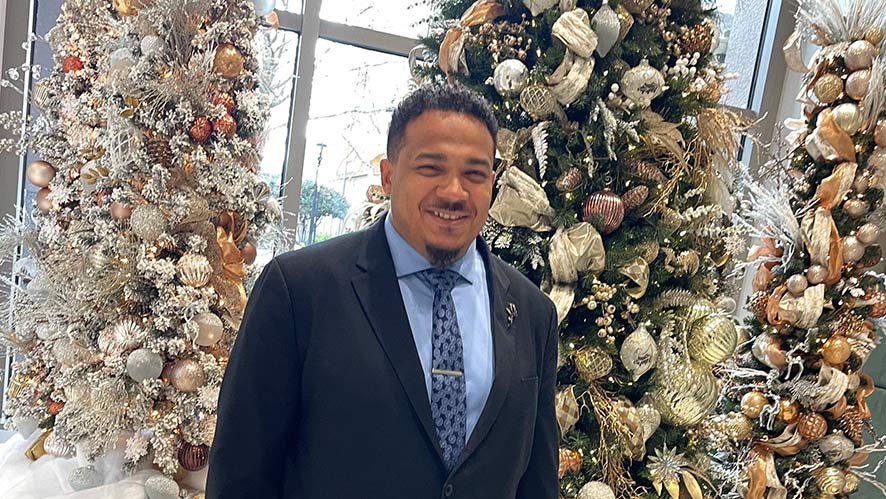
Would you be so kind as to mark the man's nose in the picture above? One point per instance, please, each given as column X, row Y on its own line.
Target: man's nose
column 452, row 188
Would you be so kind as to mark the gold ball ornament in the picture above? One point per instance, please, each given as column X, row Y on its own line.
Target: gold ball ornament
column 193, row 457
column 788, row 411
column 857, row 83
column 605, row 210
column 860, row 55
column 868, row 233
column 592, row 363
column 538, row 101
column 827, row 88
column 830, row 480
column 187, row 375
column 853, row 250
column 40, row 173
column 855, row 208
column 812, row 426
column 850, row 483
column 194, row 269
column 880, row 133
column 752, row 404
column 712, row 339
column 874, row 35
column 738, row 427
column 686, row 395
column 228, row 61
column 848, row 117
column 44, row 204
column 695, row 39
column 836, row 350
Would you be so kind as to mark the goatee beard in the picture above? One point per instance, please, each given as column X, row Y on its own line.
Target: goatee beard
column 441, row 257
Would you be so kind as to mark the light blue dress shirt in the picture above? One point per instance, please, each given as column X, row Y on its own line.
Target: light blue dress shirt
column 471, row 297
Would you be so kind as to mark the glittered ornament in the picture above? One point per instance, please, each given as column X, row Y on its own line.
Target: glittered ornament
column 194, row 269
column 148, row 222
column 827, row 88
column 187, row 375
column 639, row 352
column 836, row 350
column 510, row 77
column 752, row 404
column 40, row 173
column 853, row 250
column 855, row 208
column 857, row 84
column 592, row 363
column 712, row 339
column 788, row 411
column 836, row 447
column 120, row 211
column 606, row 25
column 830, row 480
column 860, row 55
column 848, row 117
column 225, row 125
column 201, row 130
column 152, row 45
column 209, row 329
column 144, row 364
column 566, row 409
column 738, row 427
column 85, row 477
column 159, row 151
column 698, row 39
column 605, row 210
column 642, row 84
column 193, row 457
column 797, row 284
column 570, row 462
column 635, row 197
column 42, row 200
column 538, row 101
column 223, row 99
column 71, row 63
column 124, row 334
column 595, row 490
column 812, row 426
column 816, row 274
column 161, row 487
column 868, row 233
column 684, row 395
column 569, row 180
column 228, row 61
column 625, row 21
column 851, row 482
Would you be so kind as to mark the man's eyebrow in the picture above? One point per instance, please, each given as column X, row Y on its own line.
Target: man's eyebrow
column 435, row 156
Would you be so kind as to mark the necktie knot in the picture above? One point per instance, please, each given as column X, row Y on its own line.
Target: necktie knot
column 439, row 280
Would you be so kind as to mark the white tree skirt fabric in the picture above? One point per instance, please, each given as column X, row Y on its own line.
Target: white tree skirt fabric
column 47, row 477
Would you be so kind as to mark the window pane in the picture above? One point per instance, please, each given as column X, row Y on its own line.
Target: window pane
column 279, row 50
column 400, row 17
column 290, row 5
column 742, row 27
column 353, row 95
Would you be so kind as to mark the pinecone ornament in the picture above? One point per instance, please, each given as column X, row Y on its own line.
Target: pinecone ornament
column 851, row 424
column 758, row 304
column 695, row 39
column 647, row 171
column 569, row 180
column 635, row 197
column 159, row 151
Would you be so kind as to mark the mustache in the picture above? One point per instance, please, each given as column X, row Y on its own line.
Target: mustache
column 449, row 206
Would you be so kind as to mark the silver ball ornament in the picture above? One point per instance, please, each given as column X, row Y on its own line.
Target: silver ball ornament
column 868, row 233
column 152, row 45
column 510, row 77
column 148, row 222
column 836, row 447
column 853, row 249
column 144, row 364
column 596, row 490
column 161, row 487
column 85, row 477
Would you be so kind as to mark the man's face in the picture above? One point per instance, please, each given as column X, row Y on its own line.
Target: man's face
column 441, row 184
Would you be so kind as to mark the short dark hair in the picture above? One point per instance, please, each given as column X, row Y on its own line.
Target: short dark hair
column 447, row 97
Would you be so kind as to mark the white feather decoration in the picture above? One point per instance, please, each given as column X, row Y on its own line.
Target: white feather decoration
column 540, row 144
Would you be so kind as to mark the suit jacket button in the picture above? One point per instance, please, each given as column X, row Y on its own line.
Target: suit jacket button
column 447, row 490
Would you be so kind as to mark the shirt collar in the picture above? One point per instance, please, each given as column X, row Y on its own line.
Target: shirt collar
column 407, row 260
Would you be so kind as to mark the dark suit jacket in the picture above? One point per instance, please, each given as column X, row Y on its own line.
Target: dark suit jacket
column 324, row 395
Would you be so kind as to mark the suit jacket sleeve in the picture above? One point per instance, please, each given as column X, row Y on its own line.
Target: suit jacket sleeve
column 540, row 479
column 258, row 403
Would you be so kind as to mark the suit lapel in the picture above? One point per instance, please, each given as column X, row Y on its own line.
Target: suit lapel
column 379, row 293
column 503, row 346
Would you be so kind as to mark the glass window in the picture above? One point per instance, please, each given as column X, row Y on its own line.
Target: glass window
column 290, row 5
column 742, row 25
column 400, row 17
column 354, row 93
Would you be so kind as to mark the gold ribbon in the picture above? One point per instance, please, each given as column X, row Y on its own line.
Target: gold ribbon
column 865, row 389
column 765, row 249
column 576, row 250
column 830, row 142
column 832, row 189
column 230, row 231
column 637, row 270
column 824, row 244
column 452, row 48
column 762, row 476
column 521, row 202
column 772, row 306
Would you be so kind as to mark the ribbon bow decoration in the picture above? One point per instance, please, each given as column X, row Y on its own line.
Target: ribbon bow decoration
column 452, row 51
column 230, row 231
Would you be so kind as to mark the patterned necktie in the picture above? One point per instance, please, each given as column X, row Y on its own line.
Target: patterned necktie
column 448, row 399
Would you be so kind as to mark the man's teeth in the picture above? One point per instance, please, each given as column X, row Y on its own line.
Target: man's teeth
column 446, row 216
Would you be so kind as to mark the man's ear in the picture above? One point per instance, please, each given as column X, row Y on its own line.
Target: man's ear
column 387, row 173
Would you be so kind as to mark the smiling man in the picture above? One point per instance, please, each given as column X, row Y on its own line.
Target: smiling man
column 403, row 361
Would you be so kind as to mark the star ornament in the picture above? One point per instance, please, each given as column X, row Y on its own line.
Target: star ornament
column 668, row 469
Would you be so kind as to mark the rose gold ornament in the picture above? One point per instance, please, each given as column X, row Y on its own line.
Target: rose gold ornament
column 860, row 55
column 225, row 100
column 200, row 130
column 228, row 61
column 226, row 125
column 187, row 375
column 857, row 83
column 248, row 252
column 827, row 88
column 193, row 457
column 853, row 250
column 40, row 173
column 812, row 426
column 855, row 207
column 752, row 404
column 797, row 284
column 816, row 274
column 44, row 204
column 120, row 211
column 868, row 233
column 836, row 350
column 605, row 210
